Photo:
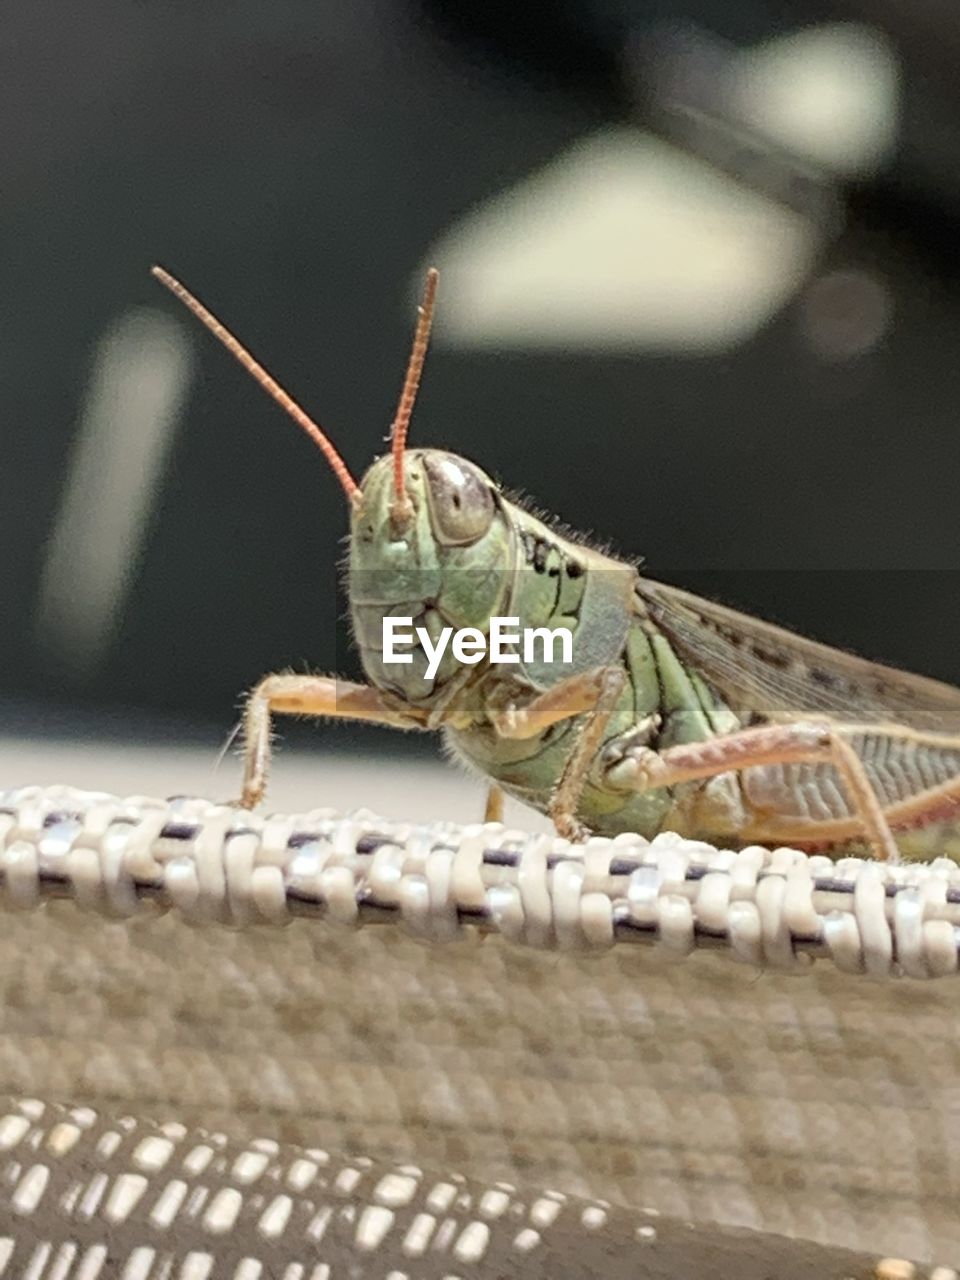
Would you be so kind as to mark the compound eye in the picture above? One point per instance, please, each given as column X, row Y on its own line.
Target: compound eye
column 461, row 503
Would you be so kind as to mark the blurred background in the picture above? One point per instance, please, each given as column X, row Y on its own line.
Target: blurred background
column 699, row 293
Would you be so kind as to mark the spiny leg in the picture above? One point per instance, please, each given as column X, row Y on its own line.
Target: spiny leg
column 594, row 692
column 802, row 742
column 566, row 797
column 306, row 696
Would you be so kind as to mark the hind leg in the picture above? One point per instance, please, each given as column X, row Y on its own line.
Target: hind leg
column 642, row 769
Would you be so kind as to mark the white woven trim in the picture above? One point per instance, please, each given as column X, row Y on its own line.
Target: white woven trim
column 775, row 909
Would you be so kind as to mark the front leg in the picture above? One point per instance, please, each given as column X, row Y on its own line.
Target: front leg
column 308, row 696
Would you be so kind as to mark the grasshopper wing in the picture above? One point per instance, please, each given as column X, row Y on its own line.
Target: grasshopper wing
column 760, row 668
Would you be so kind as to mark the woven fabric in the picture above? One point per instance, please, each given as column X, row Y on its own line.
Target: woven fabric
column 817, row 1107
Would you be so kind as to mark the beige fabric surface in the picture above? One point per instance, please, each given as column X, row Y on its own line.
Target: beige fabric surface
column 822, row 1106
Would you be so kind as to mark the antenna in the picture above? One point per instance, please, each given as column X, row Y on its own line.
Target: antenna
column 259, row 373
column 400, row 509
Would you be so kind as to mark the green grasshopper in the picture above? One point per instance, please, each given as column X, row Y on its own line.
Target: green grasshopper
column 674, row 713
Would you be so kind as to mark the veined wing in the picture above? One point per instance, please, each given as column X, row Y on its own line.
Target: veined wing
column 759, row 667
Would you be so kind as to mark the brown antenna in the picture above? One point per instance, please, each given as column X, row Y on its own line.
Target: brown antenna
column 400, row 508
column 257, row 371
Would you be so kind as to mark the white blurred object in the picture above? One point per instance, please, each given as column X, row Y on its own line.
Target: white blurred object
column 830, row 94
column 627, row 242
column 140, row 377
column 624, row 242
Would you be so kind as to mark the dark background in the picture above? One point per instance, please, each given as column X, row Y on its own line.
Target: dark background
column 294, row 163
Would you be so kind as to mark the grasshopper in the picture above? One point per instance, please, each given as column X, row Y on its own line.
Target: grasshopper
column 674, row 713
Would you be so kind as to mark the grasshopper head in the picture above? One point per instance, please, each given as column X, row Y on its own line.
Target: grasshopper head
column 443, row 562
